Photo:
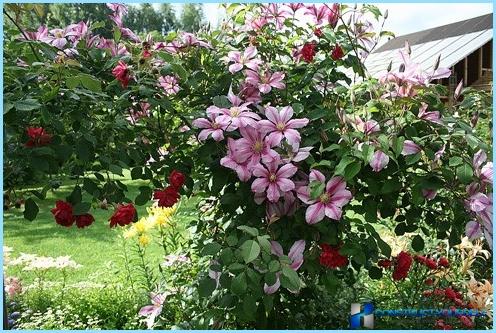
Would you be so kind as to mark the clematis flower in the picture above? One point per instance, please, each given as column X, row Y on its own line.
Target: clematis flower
column 286, row 206
column 379, row 161
column 121, row 73
column 273, row 179
column 318, row 13
column 295, row 256
column 188, row 39
column 250, row 93
column 368, row 127
column 231, row 161
column 138, row 114
column 432, row 116
column 151, row 312
column 429, row 194
column 247, row 58
column 296, row 154
column 265, row 81
column 170, row 84
column 238, row 115
column 485, row 173
column 473, row 230
column 258, row 23
column 41, row 34
column 280, row 125
column 329, row 203
column 410, row 148
column 275, row 12
column 59, row 37
column 214, row 126
column 253, row 147
column 295, row 6
column 333, row 16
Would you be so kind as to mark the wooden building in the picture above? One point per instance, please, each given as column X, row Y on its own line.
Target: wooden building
column 465, row 47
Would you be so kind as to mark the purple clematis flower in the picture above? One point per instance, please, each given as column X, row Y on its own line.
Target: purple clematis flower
column 230, row 161
column 265, row 81
column 154, row 310
column 485, row 173
column 214, row 126
column 170, row 84
column 432, row 116
column 280, row 125
column 318, row 13
column 274, row 11
column 253, row 147
column 329, row 203
column 273, row 180
column 379, row 161
column 247, row 58
column 295, row 255
column 410, row 148
column 238, row 115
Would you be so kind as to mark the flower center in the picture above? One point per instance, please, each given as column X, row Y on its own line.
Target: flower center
column 59, row 34
column 257, row 146
column 280, row 126
column 235, row 111
column 272, row 177
column 215, row 126
column 324, row 198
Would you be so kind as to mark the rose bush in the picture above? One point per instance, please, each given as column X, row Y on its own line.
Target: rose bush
column 301, row 158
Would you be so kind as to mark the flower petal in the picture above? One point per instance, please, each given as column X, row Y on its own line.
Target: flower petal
column 315, row 213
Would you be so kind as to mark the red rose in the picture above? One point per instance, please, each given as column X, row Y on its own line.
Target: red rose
column 443, row 262
column 318, row 32
column 63, row 213
column 123, row 215
column 308, row 52
column 167, row 197
column 37, row 137
column 450, row 293
column 121, row 73
column 421, row 259
column 176, row 179
column 385, row 263
column 84, row 220
column 337, row 53
column 403, row 264
column 466, row 321
column 429, row 282
column 430, row 263
column 331, row 258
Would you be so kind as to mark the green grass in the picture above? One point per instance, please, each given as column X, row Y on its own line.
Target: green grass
column 97, row 247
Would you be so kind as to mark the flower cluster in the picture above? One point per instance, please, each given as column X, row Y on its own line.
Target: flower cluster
column 169, row 196
column 37, row 137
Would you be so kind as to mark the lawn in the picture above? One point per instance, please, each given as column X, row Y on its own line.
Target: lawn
column 97, row 248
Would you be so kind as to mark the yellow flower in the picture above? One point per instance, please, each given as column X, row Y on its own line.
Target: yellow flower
column 161, row 216
column 130, row 232
column 144, row 240
column 143, row 225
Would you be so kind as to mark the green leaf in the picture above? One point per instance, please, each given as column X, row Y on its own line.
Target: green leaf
column 250, row 306
column 316, row 189
column 249, row 230
column 375, row 273
column 345, row 161
column 264, row 243
column 30, row 209
column 238, row 284
column 465, row 173
column 81, row 208
column 27, row 104
column 144, row 196
column 352, row 170
column 391, row 185
column 454, row 161
column 398, row 145
column 274, row 266
column 206, row 287
column 72, row 82
column 90, row 82
column 250, row 250
column 180, row 71
column 211, row 249
column 290, row 279
column 418, row 243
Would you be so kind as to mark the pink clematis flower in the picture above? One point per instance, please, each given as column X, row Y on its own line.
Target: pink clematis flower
column 154, row 310
column 258, row 23
column 214, row 126
column 410, row 148
column 295, row 6
column 188, row 39
column 295, row 255
column 379, row 161
column 368, row 127
column 473, row 230
column 238, row 115
column 429, row 194
column 170, row 84
column 138, row 114
column 280, row 125
column 329, row 203
column 59, row 37
column 274, row 11
column 253, row 147
column 273, row 179
column 41, row 34
column 247, row 58
column 318, row 13
column 296, row 154
column 265, row 81
column 485, row 173
column 250, row 93
column 333, row 16
column 231, row 161
column 433, row 116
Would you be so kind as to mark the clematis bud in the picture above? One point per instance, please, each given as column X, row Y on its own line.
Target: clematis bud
column 408, row 49
column 436, row 64
column 402, row 68
column 386, row 13
column 379, row 161
column 458, row 90
column 389, row 66
column 410, row 148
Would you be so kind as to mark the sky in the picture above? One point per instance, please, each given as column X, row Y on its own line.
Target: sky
column 403, row 18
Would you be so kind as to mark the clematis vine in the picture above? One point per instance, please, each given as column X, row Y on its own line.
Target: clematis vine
column 295, row 256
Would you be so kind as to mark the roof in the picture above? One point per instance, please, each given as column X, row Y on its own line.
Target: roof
column 453, row 42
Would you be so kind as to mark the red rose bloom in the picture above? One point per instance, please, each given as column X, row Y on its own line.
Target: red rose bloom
column 123, row 215
column 63, row 213
column 337, row 53
column 84, row 220
column 176, row 179
column 385, row 263
column 121, row 73
column 450, row 293
column 430, row 263
column 466, row 321
column 443, row 262
column 318, row 32
column 167, row 197
column 421, row 259
column 37, row 137
column 429, row 282
column 403, row 264
column 308, row 52
column 330, row 257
